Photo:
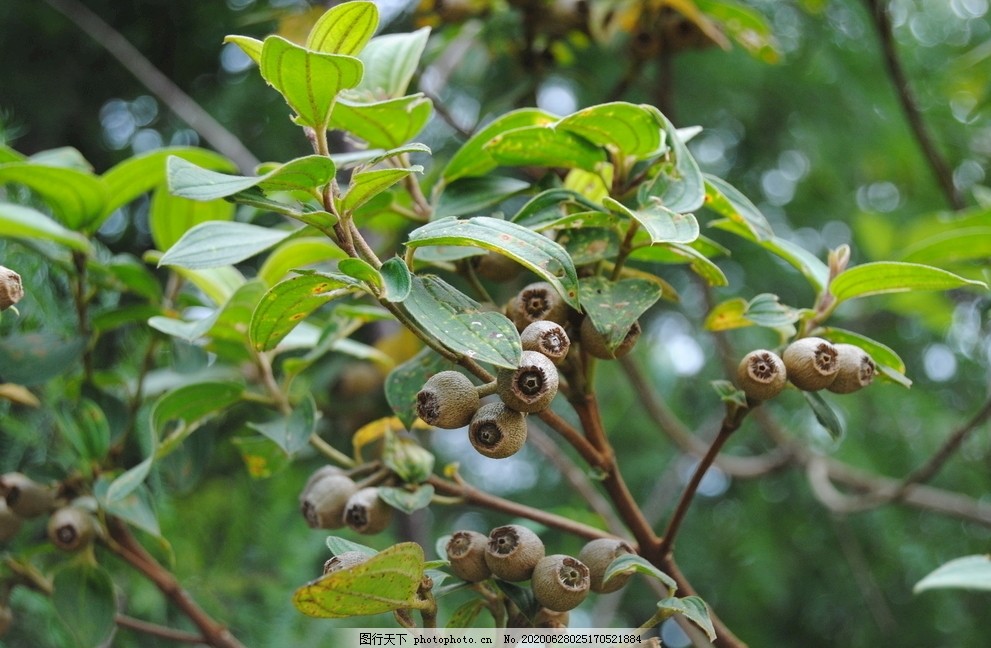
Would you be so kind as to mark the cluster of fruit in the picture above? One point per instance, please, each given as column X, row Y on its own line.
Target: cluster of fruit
column 809, row 364
column 515, row 553
column 332, row 500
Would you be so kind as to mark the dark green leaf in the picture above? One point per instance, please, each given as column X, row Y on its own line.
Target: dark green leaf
column 825, row 415
column 545, row 146
column 457, row 322
column 219, row 243
column 182, row 410
column 288, row 302
column 627, row 129
column 542, row 256
column 692, row 608
column 344, row 29
column 384, row 124
column 292, row 433
column 365, row 185
column 77, row 198
column 407, row 501
column 679, row 184
column 396, row 279
column 188, row 180
column 968, row 572
column 84, row 599
column 550, row 207
column 614, row 306
column 404, row 381
column 87, row 429
column 390, row 62
column 473, row 195
column 17, row 221
column 893, row 276
column 297, row 253
column 727, row 201
column 662, row 224
column 338, row 546
column 589, row 245
column 466, row 614
column 34, row 358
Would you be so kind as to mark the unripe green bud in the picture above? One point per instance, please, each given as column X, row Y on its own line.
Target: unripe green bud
column 466, row 552
column 497, row 431
column 597, row 345
column 10, row 522
column 548, row 338
column 856, row 369
column 71, row 528
column 448, row 400
column 761, row 375
column 530, row 387
column 366, row 513
column 513, row 551
column 26, row 497
column 597, row 555
column 811, row 363
column 323, row 502
column 560, row 583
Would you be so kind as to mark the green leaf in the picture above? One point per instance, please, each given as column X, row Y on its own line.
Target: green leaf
column 384, row 124
column 17, row 221
column 262, row 457
column 292, row 433
column 889, row 364
column 368, row 184
column 472, row 159
column 521, row 596
column 589, row 245
column 762, row 310
column 813, row 269
column 404, row 381
column 297, row 253
column 250, row 46
column 169, row 217
column 662, row 224
column 700, row 264
column 692, row 608
column 893, row 276
column 745, row 25
column 84, row 599
column 137, row 509
column 88, row 430
column 614, row 306
column 545, row 146
column 726, row 200
column 361, row 270
column 728, row 393
column 288, row 302
column 466, row 614
column 218, row 243
column 967, row 244
column 552, row 206
column 181, row 410
column 122, row 487
column 679, row 185
column 825, row 415
column 632, row 563
column 385, row 582
column 968, row 572
column 625, row 128
column 542, row 256
column 396, row 279
column 34, row 358
column 390, row 62
column 142, row 173
column 344, row 29
column 407, row 501
column 339, row 545
column 77, row 198
column 309, row 81
column 188, row 180
column 473, row 195
column 457, row 322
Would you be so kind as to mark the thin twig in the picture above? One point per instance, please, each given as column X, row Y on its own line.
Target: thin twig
column 156, row 630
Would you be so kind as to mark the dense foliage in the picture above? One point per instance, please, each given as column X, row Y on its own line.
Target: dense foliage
column 199, row 333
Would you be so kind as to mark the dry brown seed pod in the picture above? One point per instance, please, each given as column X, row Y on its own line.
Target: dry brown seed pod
column 10, row 522
column 596, row 345
column 560, row 582
column 530, row 387
column 70, row 528
column 513, row 551
column 497, row 431
column 466, row 552
column 537, row 301
column 856, row 369
column 811, row 363
column 366, row 513
column 344, row 560
column 761, row 375
column 548, row 338
column 26, row 497
column 495, row 267
column 323, row 502
column 447, row 400
column 597, row 555
column 320, row 473
column 11, row 290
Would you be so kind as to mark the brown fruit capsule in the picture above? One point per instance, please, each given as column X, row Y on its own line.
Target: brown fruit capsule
column 856, row 370
column 537, row 301
column 323, row 502
column 548, row 338
column 366, row 513
column 466, row 551
column 761, row 375
column 11, row 290
column 560, row 583
column 71, row 528
column 26, row 497
column 10, row 522
column 344, row 560
column 320, row 473
column 597, row 555
column 497, row 431
column 530, row 387
column 448, row 400
column 513, row 551
column 495, row 267
column 811, row 363
column 597, row 346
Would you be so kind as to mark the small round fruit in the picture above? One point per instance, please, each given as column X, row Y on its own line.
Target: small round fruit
column 11, row 290
column 26, row 497
column 548, row 338
column 366, row 513
column 537, row 301
column 466, row 552
column 344, row 560
column 10, row 522
column 761, row 375
column 71, row 528
column 811, row 363
column 597, row 345
column 448, row 400
column 856, row 370
column 320, row 473
column 497, row 431
column 597, row 555
column 560, row 583
column 513, row 551
column 495, row 267
column 323, row 502
column 530, row 387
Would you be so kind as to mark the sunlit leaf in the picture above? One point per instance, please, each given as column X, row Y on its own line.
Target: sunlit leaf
column 472, row 159
column 385, row 124
column 169, row 216
column 344, row 28
column 367, row 184
column 188, row 180
column 77, row 198
column 288, row 302
column 262, row 457
column 250, row 46
column 626, row 128
column 968, row 572
column 745, row 25
column 17, row 221
column 959, row 245
column 892, row 276
column 219, row 243
column 544, row 146
column 390, row 62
